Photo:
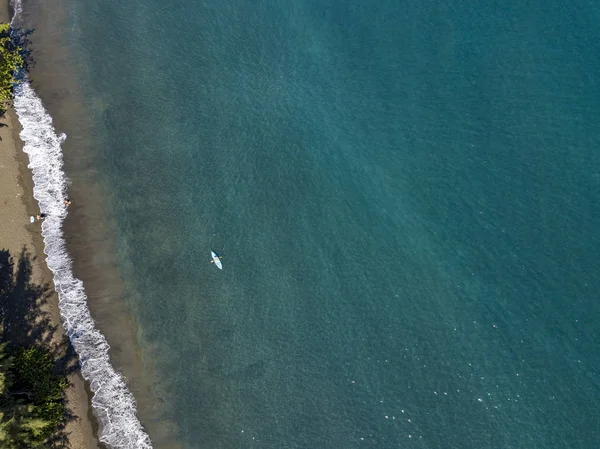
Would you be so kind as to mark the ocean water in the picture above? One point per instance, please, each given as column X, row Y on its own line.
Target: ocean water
column 405, row 197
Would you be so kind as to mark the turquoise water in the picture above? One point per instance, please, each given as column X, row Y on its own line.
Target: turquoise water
column 404, row 196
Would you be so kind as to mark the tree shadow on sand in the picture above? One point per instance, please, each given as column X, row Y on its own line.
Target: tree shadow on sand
column 25, row 322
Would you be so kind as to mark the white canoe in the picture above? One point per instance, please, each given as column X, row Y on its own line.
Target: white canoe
column 216, row 260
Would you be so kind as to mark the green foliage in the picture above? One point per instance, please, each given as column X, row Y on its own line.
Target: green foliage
column 34, row 372
column 31, row 398
column 32, row 406
column 14, row 60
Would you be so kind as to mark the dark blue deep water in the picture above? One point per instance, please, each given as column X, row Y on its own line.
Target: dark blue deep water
column 405, row 194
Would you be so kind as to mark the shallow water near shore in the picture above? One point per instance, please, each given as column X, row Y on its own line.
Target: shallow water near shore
column 403, row 196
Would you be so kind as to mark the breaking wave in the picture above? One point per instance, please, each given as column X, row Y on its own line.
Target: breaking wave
column 112, row 403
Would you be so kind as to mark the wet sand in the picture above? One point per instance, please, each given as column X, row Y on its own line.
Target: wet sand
column 90, row 228
column 17, row 234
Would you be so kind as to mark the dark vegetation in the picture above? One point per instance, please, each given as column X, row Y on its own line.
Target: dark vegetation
column 34, row 363
column 15, row 60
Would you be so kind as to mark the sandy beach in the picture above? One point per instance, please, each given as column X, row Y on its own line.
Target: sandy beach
column 24, row 240
column 17, row 235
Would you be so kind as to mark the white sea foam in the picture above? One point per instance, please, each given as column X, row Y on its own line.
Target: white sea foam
column 17, row 6
column 113, row 403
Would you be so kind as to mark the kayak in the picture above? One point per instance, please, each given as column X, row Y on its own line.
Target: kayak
column 216, row 260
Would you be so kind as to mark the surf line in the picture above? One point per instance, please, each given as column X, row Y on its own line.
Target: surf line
column 112, row 402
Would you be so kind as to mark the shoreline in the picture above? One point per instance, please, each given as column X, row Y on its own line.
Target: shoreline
column 16, row 234
column 89, row 231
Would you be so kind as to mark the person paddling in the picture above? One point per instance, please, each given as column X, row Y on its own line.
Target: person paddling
column 216, row 259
